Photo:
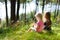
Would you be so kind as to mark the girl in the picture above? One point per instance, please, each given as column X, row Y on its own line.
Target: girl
column 47, row 23
column 39, row 25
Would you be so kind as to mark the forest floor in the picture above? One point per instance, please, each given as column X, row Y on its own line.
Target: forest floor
column 19, row 33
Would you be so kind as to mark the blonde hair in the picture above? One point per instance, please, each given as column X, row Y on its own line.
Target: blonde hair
column 38, row 15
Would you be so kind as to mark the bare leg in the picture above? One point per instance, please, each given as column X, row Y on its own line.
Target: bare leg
column 29, row 30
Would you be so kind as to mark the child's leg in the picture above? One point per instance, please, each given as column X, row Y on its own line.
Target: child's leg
column 31, row 28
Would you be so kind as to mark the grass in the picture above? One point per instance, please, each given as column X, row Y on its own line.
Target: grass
column 19, row 33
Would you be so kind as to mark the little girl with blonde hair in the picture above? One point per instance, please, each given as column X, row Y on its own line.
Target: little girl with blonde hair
column 39, row 25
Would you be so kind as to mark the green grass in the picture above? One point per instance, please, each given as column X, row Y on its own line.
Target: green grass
column 19, row 33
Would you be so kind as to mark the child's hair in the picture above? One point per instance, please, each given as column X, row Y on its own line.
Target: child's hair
column 38, row 15
column 48, row 21
column 47, row 15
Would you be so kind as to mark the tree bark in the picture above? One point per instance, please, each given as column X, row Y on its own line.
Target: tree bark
column 13, row 19
column 6, row 12
column 43, row 6
column 18, row 6
column 25, row 12
column 58, row 7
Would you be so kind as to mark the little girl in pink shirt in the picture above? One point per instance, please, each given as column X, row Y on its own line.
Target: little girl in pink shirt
column 39, row 25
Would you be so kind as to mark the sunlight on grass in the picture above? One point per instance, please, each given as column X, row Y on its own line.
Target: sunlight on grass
column 19, row 33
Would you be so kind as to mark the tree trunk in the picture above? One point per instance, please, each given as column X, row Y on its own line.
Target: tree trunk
column 43, row 6
column 55, row 11
column 0, row 20
column 6, row 12
column 58, row 7
column 13, row 19
column 18, row 6
column 25, row 12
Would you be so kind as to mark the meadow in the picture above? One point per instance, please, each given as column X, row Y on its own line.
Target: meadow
column 19, row 32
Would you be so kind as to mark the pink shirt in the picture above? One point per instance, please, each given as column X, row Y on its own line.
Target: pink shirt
column 40, row 26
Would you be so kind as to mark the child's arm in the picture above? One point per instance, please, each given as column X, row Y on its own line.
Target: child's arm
column 32, row 25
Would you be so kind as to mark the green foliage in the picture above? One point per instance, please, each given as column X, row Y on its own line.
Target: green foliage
column 19, row 33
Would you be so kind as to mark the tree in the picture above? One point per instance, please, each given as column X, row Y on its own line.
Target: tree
column 18, row 6
column 43, row 6
column 58, row 7
column 13, row 19
column 0, row 20
column 25, row 12
column 6, row 12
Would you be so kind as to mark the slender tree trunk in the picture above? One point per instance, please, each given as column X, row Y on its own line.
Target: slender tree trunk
column 0, row 20
column 55, row 11
column 13, row 2
column 6, row 12
column 58, row 7
column 58, row 19
column 18, row 6
column 25, row 12
column 43, row 6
